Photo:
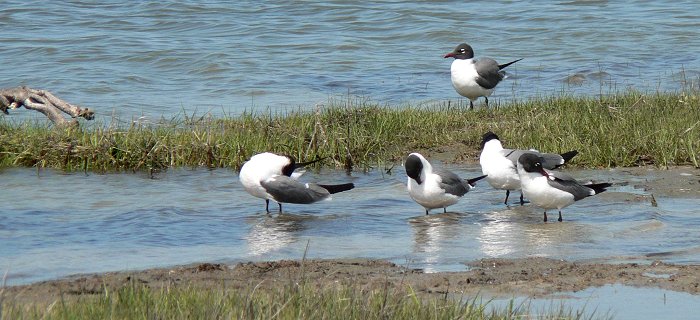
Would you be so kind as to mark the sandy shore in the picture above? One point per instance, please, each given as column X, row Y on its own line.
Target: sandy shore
column 534, row 277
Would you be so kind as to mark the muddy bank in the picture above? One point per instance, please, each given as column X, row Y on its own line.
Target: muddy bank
column 535, row 277
column 671, row 182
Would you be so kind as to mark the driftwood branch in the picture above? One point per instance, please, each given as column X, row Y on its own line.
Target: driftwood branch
column 44, row 102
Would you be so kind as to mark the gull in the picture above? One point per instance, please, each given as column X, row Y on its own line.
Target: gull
column 434, row 187
column 552, row 189
column 474, row 78
column 500, row 165
column 271, row 176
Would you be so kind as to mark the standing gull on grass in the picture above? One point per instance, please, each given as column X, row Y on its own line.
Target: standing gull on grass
column 551, row 189
column 434, row 187
column 500, row 165
column 271, row 177
column 474, row 78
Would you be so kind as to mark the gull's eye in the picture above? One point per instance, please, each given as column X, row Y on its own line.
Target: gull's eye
column 462, row 50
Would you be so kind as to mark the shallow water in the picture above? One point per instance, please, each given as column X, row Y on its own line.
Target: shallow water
column 163, row 58
column 617, row 301
column 55, row 224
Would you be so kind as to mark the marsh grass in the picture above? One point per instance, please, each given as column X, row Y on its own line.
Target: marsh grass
column 138, row 301
column 625, row 129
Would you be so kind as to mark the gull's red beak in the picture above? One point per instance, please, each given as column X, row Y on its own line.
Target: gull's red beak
column 450, row 55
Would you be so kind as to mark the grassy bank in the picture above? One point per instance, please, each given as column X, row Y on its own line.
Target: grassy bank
column 627, row 129
column 137, row 301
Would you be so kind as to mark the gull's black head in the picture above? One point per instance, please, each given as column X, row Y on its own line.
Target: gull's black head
column 462, row 51
column 414, row 167
column 488, row 137
column 531, row 162
column 289, row 168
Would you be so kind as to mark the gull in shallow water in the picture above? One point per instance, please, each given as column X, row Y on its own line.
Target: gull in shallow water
column 500, row 165
column 551, row 189
column 434, row 187
column 474, row 78
column 271, row 177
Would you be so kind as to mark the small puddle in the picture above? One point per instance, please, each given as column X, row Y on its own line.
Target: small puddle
column 611, row 301
column 657, row 275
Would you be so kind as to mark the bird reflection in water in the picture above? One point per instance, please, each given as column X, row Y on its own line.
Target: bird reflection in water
column 513, row 233
column 433, row 235
column 269, row 233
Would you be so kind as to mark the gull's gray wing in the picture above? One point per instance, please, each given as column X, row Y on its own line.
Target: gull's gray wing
column 514, row 154
column 549, row 160
column 567, row 183
column 452, row 183
column 288, row 190
column 489, row 73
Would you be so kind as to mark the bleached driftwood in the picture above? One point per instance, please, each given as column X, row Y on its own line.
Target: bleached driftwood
column 44, row 102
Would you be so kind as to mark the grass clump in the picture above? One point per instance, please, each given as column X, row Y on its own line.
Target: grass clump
column 137, row 301
column 626, row 129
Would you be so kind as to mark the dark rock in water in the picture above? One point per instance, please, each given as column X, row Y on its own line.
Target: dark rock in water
column 576, row 79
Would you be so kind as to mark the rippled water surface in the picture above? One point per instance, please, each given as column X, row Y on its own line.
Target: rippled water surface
column 159, row 58
column 56, row 224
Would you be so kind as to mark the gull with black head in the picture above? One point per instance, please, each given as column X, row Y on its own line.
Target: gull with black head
column 271, row 176
column 552, row 189
column 474, row 78
column 500, row 164
column 434, row 187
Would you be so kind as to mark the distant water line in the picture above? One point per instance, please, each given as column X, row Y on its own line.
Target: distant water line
column 156, row 59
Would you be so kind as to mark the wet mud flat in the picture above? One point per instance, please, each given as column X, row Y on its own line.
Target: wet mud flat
column 530, row 277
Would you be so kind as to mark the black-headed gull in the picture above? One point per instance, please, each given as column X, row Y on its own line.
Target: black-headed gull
column 500, row 165
column 552, row 189
column 474, row 78
column 434, row 187
column 271, row 177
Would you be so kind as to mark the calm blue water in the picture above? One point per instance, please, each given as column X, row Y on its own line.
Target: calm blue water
column 161, row 58
column 56, row 224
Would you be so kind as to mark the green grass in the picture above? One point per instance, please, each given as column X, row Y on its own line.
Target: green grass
column 626, row 129
column 137, row 301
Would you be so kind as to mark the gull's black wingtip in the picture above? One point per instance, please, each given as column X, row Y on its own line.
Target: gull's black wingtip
column 501, row 66
column 335, row 188
column 568, row 155
column 599, row 187
column 474, row 180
